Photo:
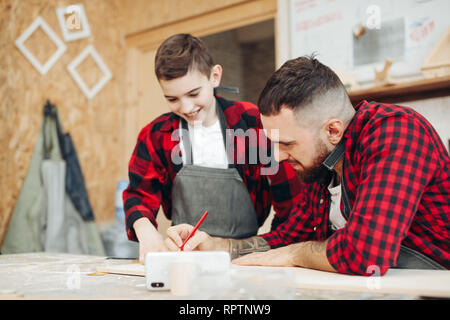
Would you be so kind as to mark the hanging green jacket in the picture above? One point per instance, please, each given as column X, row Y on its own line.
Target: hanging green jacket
column 44, row 217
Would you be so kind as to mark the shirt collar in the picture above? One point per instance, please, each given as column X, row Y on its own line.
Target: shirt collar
column 335, row 155
column 339, row 150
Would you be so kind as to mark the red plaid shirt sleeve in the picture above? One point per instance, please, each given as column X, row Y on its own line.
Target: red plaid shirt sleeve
column 397, row 161
column 299, row 226
column 147, row 177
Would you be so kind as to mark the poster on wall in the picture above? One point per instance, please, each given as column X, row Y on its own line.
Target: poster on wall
column 404, row 31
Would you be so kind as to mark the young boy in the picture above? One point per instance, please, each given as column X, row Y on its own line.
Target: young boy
column 182, row 163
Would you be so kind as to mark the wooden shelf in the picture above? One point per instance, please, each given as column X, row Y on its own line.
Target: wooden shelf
column 408, row 91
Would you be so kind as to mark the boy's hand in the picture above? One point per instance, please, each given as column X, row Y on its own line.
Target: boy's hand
column 150, row 240
column 199, row 241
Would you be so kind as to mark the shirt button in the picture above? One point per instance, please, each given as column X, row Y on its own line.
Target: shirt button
column 321, row 201
column 315, row 228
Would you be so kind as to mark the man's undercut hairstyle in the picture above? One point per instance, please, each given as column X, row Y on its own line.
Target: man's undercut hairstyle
column 181, row 53
column 298, row 83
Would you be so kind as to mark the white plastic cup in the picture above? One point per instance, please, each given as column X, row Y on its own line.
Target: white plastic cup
column 183, row 277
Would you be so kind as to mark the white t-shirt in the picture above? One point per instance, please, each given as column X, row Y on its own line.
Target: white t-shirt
column 336, row 218
column 208, row 148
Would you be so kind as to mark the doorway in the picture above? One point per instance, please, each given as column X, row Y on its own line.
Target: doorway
column 247, row 55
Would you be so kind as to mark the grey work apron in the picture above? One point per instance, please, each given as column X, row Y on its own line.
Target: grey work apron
column 221, row 192
column 407, row 257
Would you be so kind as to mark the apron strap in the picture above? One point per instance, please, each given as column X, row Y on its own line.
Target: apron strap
column 186, row 140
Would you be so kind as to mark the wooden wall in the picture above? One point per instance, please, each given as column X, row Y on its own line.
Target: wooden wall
column 147, row 14
column 95, row 125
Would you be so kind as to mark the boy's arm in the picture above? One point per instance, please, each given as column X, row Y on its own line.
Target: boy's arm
column 150, row 240
column 142, row 198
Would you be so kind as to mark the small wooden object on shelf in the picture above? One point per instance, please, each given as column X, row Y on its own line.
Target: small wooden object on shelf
column 383, row 77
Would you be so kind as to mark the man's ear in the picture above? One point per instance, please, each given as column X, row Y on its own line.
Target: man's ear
column 334, row 129
column 216, row 75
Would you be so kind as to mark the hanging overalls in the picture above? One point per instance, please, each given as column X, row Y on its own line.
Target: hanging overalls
column 219, row 191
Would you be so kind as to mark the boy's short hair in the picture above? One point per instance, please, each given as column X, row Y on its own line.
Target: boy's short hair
column 179, row 54
column 296, row 84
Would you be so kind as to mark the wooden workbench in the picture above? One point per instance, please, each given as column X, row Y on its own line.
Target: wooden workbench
column 65, row 276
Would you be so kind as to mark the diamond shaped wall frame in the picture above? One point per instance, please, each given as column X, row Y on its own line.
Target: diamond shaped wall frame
column 77, row 19
column 20, row 43
column 89, row 93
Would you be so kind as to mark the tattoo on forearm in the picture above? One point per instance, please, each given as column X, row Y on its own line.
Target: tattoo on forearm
column 318, row 247
column 240, row 247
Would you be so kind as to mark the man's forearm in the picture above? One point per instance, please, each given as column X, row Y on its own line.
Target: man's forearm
column 312, row 255
column 236, row 247
column 240, row 247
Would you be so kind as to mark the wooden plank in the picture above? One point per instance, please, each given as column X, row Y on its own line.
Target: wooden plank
column 407, row 91
column 431, row 283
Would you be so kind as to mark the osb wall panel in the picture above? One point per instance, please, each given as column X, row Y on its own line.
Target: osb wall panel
column 94, row 125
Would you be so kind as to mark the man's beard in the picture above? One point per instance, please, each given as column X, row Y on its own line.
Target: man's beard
column 317, row 171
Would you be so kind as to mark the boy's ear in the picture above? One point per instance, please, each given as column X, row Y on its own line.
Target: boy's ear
column 216, row 75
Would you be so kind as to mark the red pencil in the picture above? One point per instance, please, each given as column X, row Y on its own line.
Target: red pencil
column 195, row 229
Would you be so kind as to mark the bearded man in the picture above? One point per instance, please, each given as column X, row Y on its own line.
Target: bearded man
column 376, row 181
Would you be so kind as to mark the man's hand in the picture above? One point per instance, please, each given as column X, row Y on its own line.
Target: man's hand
column 150, row 240
column 309, row 254
column 199, row 241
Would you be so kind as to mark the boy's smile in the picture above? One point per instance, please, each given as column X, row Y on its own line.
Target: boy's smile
column 192, row 116
column 192, row 96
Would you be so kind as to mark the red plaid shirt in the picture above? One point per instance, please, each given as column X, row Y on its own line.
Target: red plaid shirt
column 152, row 172
column 397, row 175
